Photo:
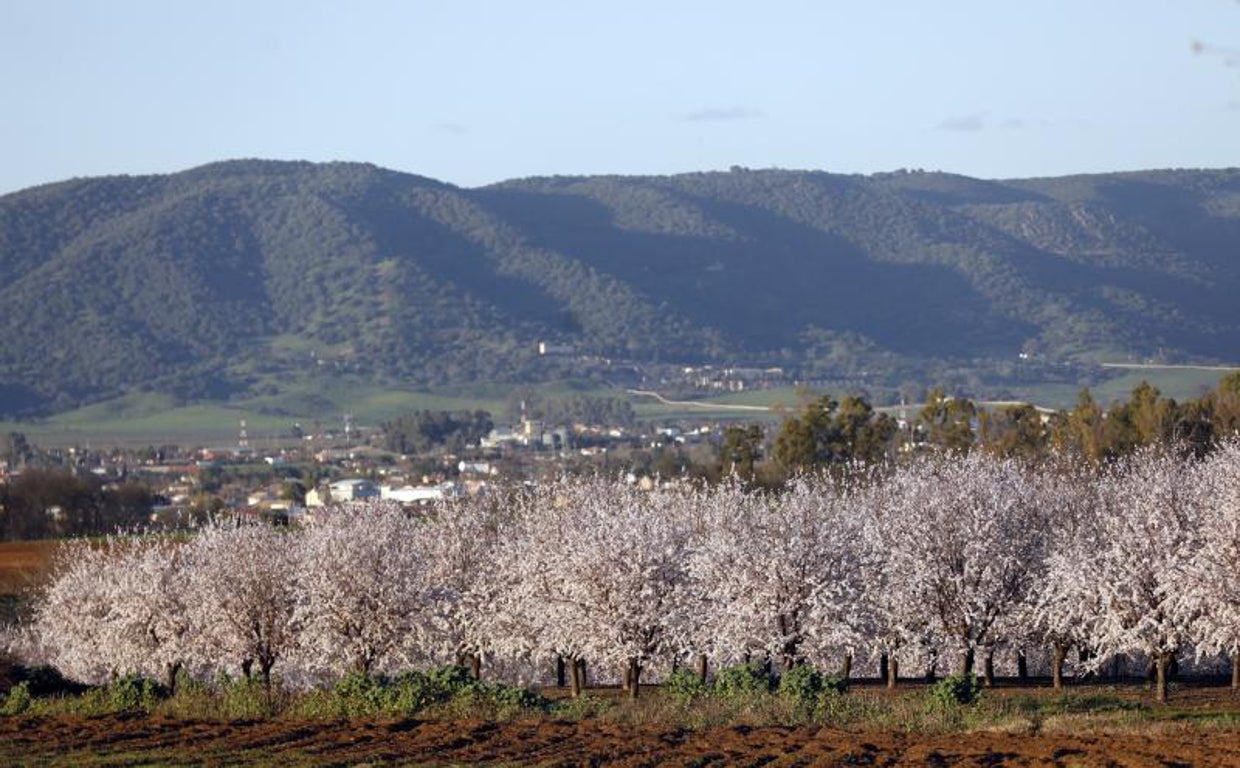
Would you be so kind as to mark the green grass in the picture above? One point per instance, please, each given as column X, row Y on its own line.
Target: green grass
column 659, row 412
column 141, row 419
column 368, row 402
column 105, row 423
column 789, row 397
column 1059, row 396
column 1179, row 383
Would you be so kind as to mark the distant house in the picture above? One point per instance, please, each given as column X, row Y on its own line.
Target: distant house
column 353, row 490
column 547, row 348
column 500, row 436
column 419, row 494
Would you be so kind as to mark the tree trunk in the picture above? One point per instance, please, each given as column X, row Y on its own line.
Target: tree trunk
column 265, row 671
column 634, row 675
column 561, row 676
column 701, row 668
column 988, row 668
column 585, row 676
column 247, row 669
column 966, row 662
column 1022, row 666
column 893, row 672
column 475, row 666
column 576, row 671
column 932, row 666
column 1160, row 683
column 882, row 666
column 626, row 676
column 171, row 671
column 846, row 670
column 1058, row 652
column 1235, row 672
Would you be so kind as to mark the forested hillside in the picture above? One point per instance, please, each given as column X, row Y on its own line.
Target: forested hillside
column 223, row 278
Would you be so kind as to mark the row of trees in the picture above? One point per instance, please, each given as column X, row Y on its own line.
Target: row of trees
column 47, row 503
column 426, row 430
column 950, row 561
column 827, row 432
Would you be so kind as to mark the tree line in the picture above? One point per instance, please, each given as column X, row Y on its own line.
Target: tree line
column 55, row 503
column 827, row 432
column 949, row 561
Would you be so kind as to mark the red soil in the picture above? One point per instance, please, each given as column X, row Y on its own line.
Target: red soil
column 146, row 740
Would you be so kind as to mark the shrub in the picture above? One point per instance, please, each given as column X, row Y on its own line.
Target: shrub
column 742, row 680
column 511, row 697
column 411, row 691
column 18, row 700
column 685, row 685
column 359, row 695
column 805, row 684
column 956, row 690
column 450, row 679
column 133, row 693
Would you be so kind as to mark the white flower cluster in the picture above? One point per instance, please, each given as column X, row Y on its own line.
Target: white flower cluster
column 948, row 557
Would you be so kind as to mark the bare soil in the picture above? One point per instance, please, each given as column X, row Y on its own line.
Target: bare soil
column 24, row 563
column 140, row 740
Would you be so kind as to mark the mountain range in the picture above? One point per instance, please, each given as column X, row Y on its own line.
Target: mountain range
column 225, row 279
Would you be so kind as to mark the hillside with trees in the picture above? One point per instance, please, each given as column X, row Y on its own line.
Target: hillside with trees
column 229, row 278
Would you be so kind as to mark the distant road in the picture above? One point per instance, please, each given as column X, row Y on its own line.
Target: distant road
column 1155, row 366
column 696, row 403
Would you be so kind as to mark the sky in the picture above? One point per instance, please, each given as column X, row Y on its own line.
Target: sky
column 477, row 91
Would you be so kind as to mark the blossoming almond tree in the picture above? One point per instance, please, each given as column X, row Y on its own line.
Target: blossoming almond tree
column 530, row 613
column 1062, row 610
column 364, row 590
column 118, row 607
column 245, row 583
column 1208, row 596
column 962, row 541
column 779, row 575
column 1149, row 524
column 604, row 564
column 458, row 543
column 74, row 626
column 152, row 603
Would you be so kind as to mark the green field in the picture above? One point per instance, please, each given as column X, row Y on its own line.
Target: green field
column 1179, row 383
column 142, row 419
column 147, row 419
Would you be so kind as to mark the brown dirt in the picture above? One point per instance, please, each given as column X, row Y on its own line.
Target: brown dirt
column 23, row 563
column 136, row 740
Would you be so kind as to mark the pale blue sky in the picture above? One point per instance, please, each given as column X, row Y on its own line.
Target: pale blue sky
column 471, row 91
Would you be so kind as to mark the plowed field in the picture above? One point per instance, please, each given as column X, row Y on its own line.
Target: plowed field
column 137, row 740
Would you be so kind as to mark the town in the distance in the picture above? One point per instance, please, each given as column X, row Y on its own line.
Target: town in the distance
column 428, row 455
